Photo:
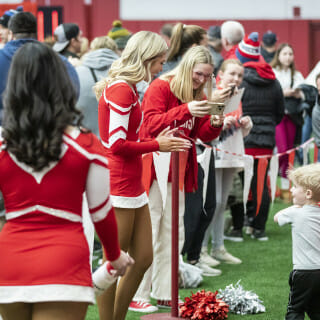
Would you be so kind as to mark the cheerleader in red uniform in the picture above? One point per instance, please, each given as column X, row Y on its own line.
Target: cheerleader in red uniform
column 120, row 118
column 46, row 164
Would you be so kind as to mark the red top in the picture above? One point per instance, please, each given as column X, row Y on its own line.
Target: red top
column 161, row 109
column 120, row 118
column 43, row 240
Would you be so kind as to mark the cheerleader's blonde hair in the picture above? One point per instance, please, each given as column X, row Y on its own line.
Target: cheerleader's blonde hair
column 134, row 64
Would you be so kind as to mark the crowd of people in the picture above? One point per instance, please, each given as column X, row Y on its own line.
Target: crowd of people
column 102, row 120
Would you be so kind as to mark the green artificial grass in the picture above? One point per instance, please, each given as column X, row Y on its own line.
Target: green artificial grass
column 264, row 270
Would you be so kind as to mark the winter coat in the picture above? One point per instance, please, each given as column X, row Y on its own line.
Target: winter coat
column 95, row 64
column 263, row 102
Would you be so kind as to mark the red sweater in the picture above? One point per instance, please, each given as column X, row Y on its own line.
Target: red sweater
column 161, row 109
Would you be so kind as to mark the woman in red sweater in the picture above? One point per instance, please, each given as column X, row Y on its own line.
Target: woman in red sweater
column 176, row 99
column 120, row 118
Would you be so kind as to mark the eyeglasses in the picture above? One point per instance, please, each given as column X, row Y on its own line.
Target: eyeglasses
column 204, row 76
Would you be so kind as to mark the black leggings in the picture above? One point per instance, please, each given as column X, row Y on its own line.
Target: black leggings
column 196, row 216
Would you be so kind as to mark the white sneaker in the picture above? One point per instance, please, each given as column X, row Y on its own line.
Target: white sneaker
column 208, row 271
column 224, row 256
column 207, row 259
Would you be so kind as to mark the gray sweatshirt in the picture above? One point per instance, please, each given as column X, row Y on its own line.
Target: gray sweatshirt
column 99, row 61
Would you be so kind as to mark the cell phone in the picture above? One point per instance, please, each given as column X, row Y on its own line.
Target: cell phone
column 233, row 88
column 217, row 108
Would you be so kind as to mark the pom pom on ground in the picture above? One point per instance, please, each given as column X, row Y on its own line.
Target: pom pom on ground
column 204, row 305
column 241, row 301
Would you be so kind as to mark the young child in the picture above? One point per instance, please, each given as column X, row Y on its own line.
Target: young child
column 231, row 139
column 304, row 217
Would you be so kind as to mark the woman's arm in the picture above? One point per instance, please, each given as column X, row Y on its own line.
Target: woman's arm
column 101, row 210
column 121, row 99
column 157, row 112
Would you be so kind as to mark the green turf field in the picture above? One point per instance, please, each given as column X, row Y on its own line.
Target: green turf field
column 265, row 270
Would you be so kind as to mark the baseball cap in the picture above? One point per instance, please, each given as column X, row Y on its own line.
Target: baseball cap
column 269, row 38
column 64, row 33
column 4, row 20
column 214, row 32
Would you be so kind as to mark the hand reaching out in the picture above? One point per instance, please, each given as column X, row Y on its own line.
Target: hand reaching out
column 168, row 143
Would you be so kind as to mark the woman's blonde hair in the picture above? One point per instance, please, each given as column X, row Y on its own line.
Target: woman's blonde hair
column 102, row 43
column 134, row 64
column 183, row 37
column 180, row 78
column 308, row 177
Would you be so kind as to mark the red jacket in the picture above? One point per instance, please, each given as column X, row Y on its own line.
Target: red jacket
column 161, row 109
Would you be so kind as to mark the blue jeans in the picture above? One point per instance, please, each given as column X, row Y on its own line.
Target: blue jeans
column 305, row 134
column 306, row 128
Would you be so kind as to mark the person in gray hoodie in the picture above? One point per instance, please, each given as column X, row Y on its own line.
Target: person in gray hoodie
column 94, row 67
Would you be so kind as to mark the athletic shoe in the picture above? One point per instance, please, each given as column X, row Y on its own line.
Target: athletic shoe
column 259, row 235
column 208, row 271
column 224, row 256
column 234, row 235
column 142, row 306
column 207, row 259
column 167, row 303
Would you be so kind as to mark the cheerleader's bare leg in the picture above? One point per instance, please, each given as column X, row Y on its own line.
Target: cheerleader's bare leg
column 18, row 310
column 44, row 311
column 135, row 236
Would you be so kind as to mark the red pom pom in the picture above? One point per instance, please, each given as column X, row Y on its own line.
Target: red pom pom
column 204, row 306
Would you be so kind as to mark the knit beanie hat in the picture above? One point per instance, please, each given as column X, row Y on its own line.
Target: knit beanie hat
column 249, row 48
column 118, row 31
column 122, row 42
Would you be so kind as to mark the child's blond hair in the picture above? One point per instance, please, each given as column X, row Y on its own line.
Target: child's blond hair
column 308, row 177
